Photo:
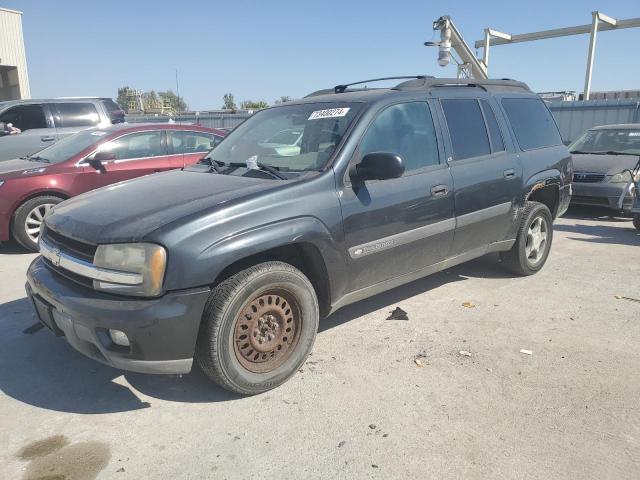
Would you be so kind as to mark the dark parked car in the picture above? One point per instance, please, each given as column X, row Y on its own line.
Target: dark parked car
column 603, row 158
column 93, row 158
column 44, row 122
column 234, row 260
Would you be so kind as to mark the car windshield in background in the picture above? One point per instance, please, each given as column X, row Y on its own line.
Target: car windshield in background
column 289, row 138
column 70, row 146
column 608, row 141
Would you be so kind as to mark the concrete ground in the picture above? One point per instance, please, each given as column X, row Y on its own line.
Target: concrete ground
column 362, row 407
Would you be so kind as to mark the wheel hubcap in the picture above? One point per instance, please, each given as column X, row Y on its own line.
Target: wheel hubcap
column 267, row 331
column 537, row 240
column 33, row 223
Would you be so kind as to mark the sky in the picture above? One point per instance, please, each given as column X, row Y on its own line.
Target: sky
column 261, row 50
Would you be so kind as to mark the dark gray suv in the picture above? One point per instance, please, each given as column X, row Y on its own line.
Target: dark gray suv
column 44, row 122
column 234, row 261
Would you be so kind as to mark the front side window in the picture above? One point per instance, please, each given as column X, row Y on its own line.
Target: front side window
column 25, row 117
column 407, row 130
column 322, row 126
column 466, row 128
column 76, row 115
column 136, row 145
column 532, row 123
column 610, row 141
column 191, row 142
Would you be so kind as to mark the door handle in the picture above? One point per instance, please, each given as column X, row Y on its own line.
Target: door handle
column 511, row 173
column 47, row 139
column 439, row 190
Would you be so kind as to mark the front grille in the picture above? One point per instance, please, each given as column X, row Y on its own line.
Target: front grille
column 81, row 250
column 588, row 177
column 75, row 248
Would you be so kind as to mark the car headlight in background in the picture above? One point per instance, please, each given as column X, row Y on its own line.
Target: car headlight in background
column 147, row 259
column 623, row 177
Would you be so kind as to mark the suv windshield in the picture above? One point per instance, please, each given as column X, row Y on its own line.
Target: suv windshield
column 610, row 140
column 268, row 137
column 70, row 146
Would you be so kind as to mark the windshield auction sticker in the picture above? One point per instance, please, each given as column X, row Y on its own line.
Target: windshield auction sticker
column 328, row 113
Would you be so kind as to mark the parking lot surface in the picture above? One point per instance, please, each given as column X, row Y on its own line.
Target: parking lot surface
column 378, row 398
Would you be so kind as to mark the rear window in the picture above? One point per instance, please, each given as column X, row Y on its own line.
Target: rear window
column 532, row 123
column 76, row 115
column 116, row 114
column 466, row 128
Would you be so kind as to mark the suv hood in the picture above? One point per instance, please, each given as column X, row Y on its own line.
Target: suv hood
column 128, row 211
column 608, row 164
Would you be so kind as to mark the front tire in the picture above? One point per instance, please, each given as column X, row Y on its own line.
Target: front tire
column 636, row 221
column 533, row 243
column 258, row 328
column 28, row 219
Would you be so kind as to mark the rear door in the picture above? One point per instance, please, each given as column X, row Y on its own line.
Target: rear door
column 397, row 226
column 187, row 147
column 486, row 173
column 136, row 154
column 37, row 130
column 72, row 117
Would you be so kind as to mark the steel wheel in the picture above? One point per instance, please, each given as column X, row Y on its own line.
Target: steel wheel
column 536, row 243
column 33, row 222
column 267, row 331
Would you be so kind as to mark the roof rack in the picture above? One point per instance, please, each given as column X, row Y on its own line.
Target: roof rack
column 429, row 82
column 420, row 82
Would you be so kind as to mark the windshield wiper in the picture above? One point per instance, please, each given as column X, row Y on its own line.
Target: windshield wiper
column 608, row 152
column 264, row 167
column 36, row 158
column 580, row 152
column 213, row 163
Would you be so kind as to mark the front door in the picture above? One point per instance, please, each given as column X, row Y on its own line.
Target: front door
column 397, row 226
column 486, row 175
column 136, row 154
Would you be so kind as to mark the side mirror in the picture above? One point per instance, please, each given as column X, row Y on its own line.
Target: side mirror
column 98, row 158
column 379, row 166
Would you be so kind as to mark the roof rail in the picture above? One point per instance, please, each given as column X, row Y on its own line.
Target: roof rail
column 428, row 82
column 343, row 88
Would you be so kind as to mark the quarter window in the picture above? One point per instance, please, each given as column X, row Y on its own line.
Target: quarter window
column 136, row 145
column 532, row 123
column 497, row 144
column 76, row 115
column 25, row 117
column 466, row 128
column 407, row 130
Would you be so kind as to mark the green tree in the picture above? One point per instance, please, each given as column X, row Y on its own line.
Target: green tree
column 174, row 101
column 123, row 99
column 229, row 102
column 150, row 100
column 252, row 105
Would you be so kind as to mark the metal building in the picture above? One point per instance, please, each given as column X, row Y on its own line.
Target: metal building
column 14, row 81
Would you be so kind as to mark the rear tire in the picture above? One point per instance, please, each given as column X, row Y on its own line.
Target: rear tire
column 533, row 243
column 258, row 328
column 636, row 221
column 28, row 219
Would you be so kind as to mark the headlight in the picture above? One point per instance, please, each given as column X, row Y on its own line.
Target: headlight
column 1, row 182
column 623, row 177
column 147, row 259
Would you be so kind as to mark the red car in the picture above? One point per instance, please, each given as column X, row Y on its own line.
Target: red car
column 90, row 159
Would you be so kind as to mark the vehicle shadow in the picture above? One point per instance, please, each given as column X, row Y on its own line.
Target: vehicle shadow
column 44, row 371
column 12, row 248
column 623, row 233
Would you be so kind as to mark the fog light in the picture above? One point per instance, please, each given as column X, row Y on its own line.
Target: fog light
column 119, row 338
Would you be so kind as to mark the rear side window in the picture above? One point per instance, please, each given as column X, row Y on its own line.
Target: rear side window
column 25, row 117
column 191, row 142
column 497, row 144
column 116, row 114
column 407, row 130
column 76, row 115
column 466, row 128
column 532, row 123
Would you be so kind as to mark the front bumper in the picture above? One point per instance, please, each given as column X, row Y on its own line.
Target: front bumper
column 5, row 221
column 162, row 331
column 601, row 195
